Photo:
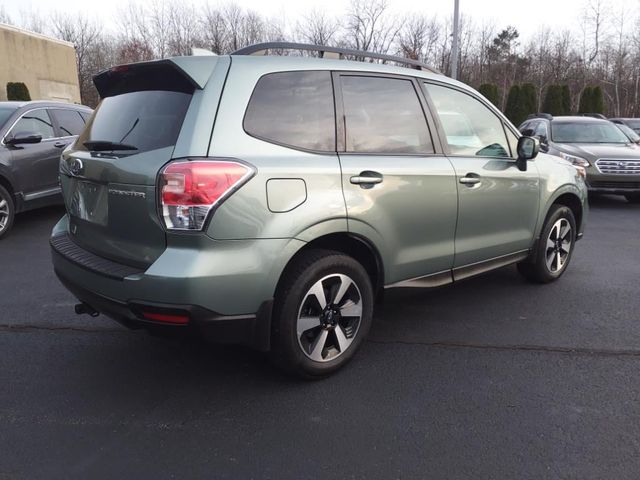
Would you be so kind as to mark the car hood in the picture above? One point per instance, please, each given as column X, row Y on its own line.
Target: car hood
column 594, row 151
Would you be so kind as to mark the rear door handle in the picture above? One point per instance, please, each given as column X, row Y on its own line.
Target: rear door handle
column 60, row 144
column 367, row 179
column 470, row 179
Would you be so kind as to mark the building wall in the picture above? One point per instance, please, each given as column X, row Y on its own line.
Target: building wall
column 46, row 65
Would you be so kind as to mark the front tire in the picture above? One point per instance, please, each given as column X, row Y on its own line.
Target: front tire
column 632, row 197
column 555, row 248
column 7, row 212
column 323, row 312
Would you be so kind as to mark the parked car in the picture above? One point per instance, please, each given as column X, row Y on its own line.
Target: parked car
column 269, row 200
column 632, row 123
column 610, row 158
column 33, row 136
column 631, row 134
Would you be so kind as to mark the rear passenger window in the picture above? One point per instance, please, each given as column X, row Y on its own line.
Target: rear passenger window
column 384, row 115
column 70, row 122
column 295, row 109
column 471, row 128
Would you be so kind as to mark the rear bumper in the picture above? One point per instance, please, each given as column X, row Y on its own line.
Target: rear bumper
column 252, row 330
column 225, row 287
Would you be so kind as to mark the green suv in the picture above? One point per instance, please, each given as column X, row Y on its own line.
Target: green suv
column 269, row 200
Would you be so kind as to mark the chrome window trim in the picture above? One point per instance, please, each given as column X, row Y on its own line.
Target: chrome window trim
column 2, row 142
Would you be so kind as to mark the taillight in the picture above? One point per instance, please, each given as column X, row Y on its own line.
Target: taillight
column 190, row 189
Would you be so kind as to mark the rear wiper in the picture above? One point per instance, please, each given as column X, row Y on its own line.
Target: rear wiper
column 107, row 146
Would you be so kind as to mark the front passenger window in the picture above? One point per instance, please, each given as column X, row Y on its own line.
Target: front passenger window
column 470, row 127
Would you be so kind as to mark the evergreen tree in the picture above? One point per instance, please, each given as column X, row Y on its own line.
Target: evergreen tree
column 529, row 99
column 490, row 92
column 17, row 91
column 553, row 100
column 566, row 100
column 586, row 100
column 597, row 101
column 513, row 109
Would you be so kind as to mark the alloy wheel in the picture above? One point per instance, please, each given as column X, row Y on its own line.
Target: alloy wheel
column 558, row 245
column 329, row 317
column 4, row 213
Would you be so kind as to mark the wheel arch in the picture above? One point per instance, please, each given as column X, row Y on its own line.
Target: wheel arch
column 570, row 197
column 353, row 245
column 572, row 201
column 4, row 181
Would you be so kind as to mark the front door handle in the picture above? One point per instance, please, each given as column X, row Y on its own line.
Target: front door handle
column 470, row 179
column 60, row 144
column 367, row 179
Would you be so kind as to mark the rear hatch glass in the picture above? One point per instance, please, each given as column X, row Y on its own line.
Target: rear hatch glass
column 144, row 121
column 109, row 176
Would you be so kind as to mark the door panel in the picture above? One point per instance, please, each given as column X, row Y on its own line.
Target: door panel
column 412, row 211
column 398, row 192
column 36, row 165
column 497, row 203
column 497, row 215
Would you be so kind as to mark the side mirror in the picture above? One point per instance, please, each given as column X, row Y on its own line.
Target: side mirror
column 21, row 138
column 528, row 148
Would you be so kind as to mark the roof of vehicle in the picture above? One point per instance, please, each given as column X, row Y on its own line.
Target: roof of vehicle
column 199, row 68
column 305, row 63
column 578, row 119
column 624, row 118
column 44, row 103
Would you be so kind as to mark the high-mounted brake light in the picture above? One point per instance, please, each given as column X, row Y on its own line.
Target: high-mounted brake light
column 190, row 189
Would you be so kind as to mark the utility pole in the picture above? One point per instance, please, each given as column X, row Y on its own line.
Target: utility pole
column 456, row 36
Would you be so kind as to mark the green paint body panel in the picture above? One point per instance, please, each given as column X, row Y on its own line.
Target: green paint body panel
column 420, row 220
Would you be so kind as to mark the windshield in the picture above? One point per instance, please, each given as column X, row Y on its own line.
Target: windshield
column 583, row 132
column 5, row 113
column 143, row 121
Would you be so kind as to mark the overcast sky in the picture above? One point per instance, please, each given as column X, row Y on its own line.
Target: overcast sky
column 527, row 17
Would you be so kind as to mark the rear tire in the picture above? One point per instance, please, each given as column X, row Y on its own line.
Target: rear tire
column 632, row 197
column 555, row 248
column 323, row 312
column 7, row 212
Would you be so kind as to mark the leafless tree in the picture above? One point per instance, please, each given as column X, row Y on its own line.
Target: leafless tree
column 604, row 49
column 418, row 37
column 83, row 32
column 317, row 28
column 4, row 16
column 368, row 26
column 215, row 34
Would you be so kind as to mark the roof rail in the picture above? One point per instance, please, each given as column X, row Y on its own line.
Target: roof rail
column 547, row 116
column 263, row 48
column 595, row 115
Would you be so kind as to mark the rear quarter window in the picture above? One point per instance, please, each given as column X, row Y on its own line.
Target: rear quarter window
column 295, row 109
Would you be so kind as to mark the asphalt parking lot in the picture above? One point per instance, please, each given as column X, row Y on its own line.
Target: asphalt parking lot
column 491, row 378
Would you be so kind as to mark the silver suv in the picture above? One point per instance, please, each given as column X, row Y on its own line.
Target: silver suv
column 268, row 200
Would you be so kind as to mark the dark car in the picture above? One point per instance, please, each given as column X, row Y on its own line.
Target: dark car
column 611, row 160
column 632, row 123
column 32, row 137
column 629, row 132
